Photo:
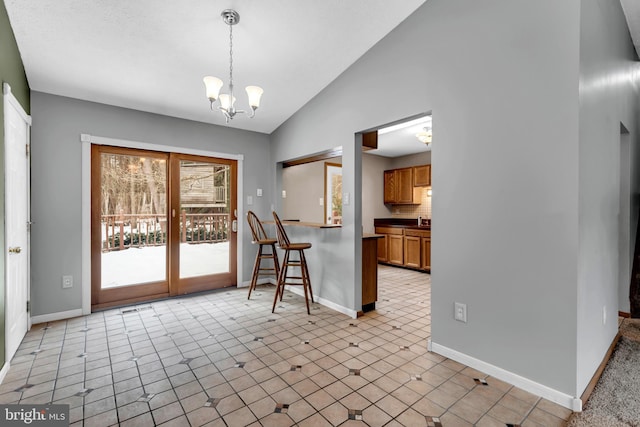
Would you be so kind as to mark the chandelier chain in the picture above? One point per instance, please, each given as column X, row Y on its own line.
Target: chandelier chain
column 231, row 54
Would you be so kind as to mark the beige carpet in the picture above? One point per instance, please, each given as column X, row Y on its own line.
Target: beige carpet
column 615, row 402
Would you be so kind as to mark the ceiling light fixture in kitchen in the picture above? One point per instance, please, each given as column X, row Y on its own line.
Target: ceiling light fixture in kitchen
column 214, row 84
column 425, row 136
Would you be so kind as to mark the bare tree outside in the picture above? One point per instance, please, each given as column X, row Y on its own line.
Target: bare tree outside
column 134, row 220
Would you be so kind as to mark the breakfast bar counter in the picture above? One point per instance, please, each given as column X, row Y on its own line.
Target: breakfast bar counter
column 305, row 224
column 332, row 274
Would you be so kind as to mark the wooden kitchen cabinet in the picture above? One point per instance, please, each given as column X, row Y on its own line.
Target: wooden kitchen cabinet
column 395, row 249
column 369, row 273
column 412, row 246
column 407, row 247
column 422, row 176
column 399, row 188
column 390, row 247
column 382, row 248
column 417, row 249
column 426, row 253
column 404, row 186
column 390, row 187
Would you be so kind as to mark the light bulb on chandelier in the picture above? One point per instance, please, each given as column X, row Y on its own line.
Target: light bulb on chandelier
column 214, row 84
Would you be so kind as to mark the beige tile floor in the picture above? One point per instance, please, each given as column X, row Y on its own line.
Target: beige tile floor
column 219, row 359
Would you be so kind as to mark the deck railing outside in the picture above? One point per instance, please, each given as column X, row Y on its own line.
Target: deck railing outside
column 128, row 230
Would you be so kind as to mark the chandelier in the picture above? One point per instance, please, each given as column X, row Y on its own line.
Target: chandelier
column 425, row 135
column 214, row 84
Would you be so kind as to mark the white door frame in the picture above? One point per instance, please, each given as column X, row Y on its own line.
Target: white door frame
column 10, row 102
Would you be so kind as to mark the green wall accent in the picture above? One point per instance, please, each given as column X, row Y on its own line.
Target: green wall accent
column 12, row 72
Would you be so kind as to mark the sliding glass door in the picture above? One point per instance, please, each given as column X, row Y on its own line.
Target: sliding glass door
column 162, row 224
column 205, row 221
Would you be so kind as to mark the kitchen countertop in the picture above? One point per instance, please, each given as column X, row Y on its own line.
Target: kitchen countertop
column 409, row 223
column 411, row 227
column 305, row 224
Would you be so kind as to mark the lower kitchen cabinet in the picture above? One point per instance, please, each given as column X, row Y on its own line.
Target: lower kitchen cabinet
column 390, row 247
column 426, row 253
column 382, row 248
column 395, row 249
column 407, row 247
column 412, row 249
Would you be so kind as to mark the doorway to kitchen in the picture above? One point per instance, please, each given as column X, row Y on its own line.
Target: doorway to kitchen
column 397, row 198
column 162, row 224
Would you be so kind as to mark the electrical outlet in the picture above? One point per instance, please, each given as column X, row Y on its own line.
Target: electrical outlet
column 259, row 192
column 321, row 201
column 250, row 200
column 67, row 282
column 284, row 194
column 460, row 312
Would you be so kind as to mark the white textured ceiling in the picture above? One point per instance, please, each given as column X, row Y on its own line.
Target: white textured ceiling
column 151, row 55
column 401, row 140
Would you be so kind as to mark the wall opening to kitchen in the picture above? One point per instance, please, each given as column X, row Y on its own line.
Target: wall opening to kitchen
column 397, row 196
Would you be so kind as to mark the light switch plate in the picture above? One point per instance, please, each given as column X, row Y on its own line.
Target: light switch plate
column 321, row 201
column 460, row 312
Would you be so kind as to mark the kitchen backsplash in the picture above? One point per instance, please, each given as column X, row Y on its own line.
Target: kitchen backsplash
column 413, row 211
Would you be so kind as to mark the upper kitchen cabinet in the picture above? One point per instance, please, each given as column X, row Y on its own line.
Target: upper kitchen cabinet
column 399, row 187
column 422, row 176
column 390, row 186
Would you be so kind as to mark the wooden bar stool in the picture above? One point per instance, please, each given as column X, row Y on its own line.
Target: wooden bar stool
column 301, row 263
column 260, row 238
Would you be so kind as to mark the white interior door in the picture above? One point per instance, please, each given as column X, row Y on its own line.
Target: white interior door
column 16, row 139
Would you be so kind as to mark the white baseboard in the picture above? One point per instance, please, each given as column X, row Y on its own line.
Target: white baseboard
column 260, row 282
column 563, row 399
column 52, row 317
column 330, row 304
column 3, row 371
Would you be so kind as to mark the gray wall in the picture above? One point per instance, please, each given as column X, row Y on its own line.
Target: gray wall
column 56, row 181
column 423, row 158
column 507, row 226
column 609, row 79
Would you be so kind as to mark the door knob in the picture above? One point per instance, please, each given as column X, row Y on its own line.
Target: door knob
column 15, row 250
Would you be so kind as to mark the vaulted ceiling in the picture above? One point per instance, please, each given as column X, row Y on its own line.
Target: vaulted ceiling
column 151, row 55
column 631, row 10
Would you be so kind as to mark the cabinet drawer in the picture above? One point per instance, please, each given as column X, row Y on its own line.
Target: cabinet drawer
column 417, row 233
column 389, row 230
